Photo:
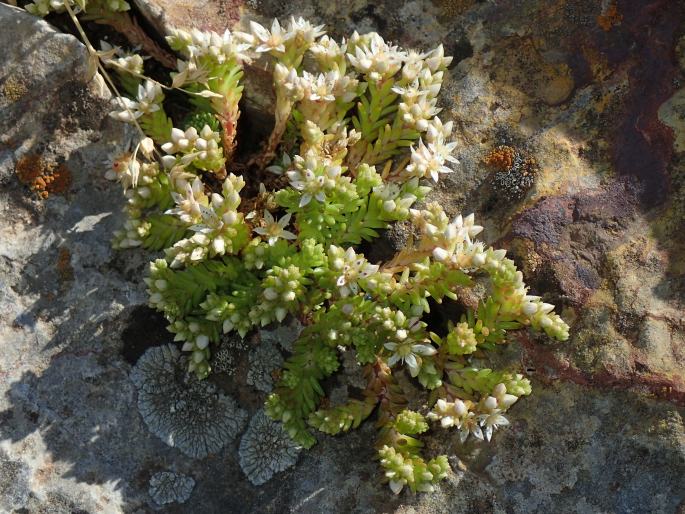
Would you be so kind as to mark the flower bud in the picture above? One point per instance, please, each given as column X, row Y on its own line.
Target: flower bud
column 490, row 403
column 440, row 254
column 202, row 342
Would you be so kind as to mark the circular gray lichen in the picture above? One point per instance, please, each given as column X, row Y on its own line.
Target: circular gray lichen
column 266, row 449
column 184, row 412
column 167, row 487
column 264, row 360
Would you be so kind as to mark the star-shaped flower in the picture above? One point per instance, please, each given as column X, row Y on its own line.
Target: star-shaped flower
column 270, row 41
column 273, row 230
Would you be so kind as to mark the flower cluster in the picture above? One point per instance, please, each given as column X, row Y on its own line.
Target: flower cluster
column 218, row 228
column 44, row 7
column 201, row 149
column 147, row 102
column 355, row 145
column 120, row 60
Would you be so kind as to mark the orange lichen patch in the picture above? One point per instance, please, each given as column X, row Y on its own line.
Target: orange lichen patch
column 64, row 269
column 610, row 17
column 515, row 171
column 42, row 177
column 60, row 180
column 501, row 158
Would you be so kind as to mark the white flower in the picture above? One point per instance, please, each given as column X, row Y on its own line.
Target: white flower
column 436, row 59
column 351, row 267
column 344, row 86
column 230, row 46
column 130, row 62
column 375, row 58
column 304, row 32
column 279, row 169
column 181, row 140
column 310, row 184
column 397, row 485
column 204, row 50
column 128, row 111
column 430, row 82
column 328, row 52
column 288, row 84
column 194, row 146
column 409, row 92
column 123, row 169
column 504, row 400
column 270, row 41
column 491, row 422
column 466, row 227
column 469, row 426
column 394, row 201
column 449, row 413
column 429, row 160
column 147, row 146
column 413, row 64
column 188, row 208
column 275, row 229
column 318, row 87
column 417, row 108
column 440, row 254
column 149, row 96
column 189, row 71
column 408, row 352
column 313, row 180
column 437, row 131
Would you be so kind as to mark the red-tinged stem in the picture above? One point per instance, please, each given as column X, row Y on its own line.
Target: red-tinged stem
column 229, row 124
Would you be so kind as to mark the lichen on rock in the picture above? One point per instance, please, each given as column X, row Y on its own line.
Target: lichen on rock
column 223, row 360
column 227, row 357
column 184, row 412
column 167, row 487
column 264, row 360
column 284, row 334
column 266, row 449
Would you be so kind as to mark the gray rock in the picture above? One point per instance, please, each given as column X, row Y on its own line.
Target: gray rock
column 14, row 484
column 71, row 438
column 165, row 15
column 64, row 401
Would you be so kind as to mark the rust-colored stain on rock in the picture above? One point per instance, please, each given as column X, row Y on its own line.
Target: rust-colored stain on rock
column 642, row 146
column 548, row 366
column 610, row 17
column 64, row 268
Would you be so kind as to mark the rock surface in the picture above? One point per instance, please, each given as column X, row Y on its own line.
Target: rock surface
column 216, row 15
column 593, row 93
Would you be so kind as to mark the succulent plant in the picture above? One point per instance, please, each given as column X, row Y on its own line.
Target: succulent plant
column 250, row 241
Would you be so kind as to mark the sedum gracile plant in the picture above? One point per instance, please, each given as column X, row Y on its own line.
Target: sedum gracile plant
column 356, row 145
